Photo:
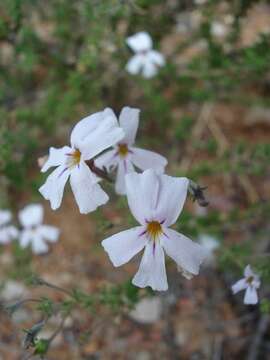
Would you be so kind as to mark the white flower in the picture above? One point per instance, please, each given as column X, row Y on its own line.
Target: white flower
column 125, row 156
column 218, row 29
column 145, row 59
column 7, row 232
column 89, row 137
column 155, row 200
column 250, row 283
column 34, row 233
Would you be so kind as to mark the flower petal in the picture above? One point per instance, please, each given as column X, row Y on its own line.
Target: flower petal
column 39, row 246
column 248, row 271
column 185, row 252
column 8, row 233
column 239, row 285
column 152, row 271
column 48, row 232
column 149, row 69
column 5, row 217
column 123, row 246
column 171, row 199
column 56, row 157
column 53, row 188
column 124, row 167
column 251, row 296
column 87, row 192
column 140, row 42
column 129, row 122
column 156, row 58
column 86, row 126
column 25, row 238
column 105, row 135
column 142, row 192
column 135, row 64
column 31, row 215
column 109, row 160
column 145, row 159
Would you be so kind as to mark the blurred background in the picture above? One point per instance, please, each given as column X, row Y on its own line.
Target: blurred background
column 207, row 111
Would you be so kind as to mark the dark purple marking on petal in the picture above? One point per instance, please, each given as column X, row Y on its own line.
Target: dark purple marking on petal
column 154, row 248
column 162, row 222
column 62, row 172
column 143, row 233
column 165, row 234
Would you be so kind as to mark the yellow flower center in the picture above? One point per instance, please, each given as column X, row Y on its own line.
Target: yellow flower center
column 154, row 230
column 122, row 150
column 250, row 279
column 74, row 158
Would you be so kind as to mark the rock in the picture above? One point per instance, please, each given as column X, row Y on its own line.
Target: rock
column 13, row 290
column 147, row 311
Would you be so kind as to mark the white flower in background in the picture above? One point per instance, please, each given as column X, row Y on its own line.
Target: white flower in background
column 210, row 244
column 250, row 283
column 89, row 137
column 7, row 232
column 125, row 156
column 155, row 200
column 145, row 60
column 218, row 29
column 34, row 233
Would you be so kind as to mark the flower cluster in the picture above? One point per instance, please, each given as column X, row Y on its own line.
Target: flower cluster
column 155, row 199
column 32, row 233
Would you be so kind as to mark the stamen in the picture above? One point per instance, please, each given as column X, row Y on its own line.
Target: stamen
column 74, row 158
column 154, row 230
column 123, row 150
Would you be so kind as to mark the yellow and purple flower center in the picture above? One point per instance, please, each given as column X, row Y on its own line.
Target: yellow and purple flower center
column 74, row 158
column 123, row 150
column 154, row 230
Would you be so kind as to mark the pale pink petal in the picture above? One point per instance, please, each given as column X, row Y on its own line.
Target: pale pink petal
column 31, row 215
column 171, row 199
column 142, row 192
column 185, row 252
column 124, row 167
column 156, row 57
column 135, row 64
column 107, row 134
column 123, row 246
column 129, row 122
column 53, row 188
column 56, row 157
column 152, row 271
column 251, row 296
column 5, row 217
column 140, row 42
column 108, row 160
column 239, row 285
column 48, row 232
column 145, row 159
column 87, row 192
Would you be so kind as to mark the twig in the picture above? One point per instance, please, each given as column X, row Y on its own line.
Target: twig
column 254, row 348
column 102, row 173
